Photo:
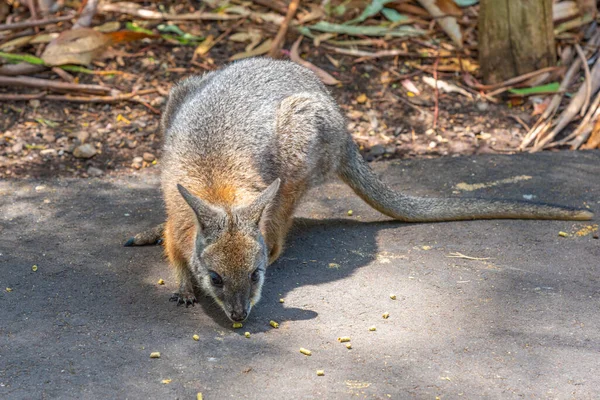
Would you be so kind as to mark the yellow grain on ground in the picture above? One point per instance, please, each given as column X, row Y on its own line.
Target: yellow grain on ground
column 274, row 324
column 155, row 354
column 476, row 186
column 304, row 351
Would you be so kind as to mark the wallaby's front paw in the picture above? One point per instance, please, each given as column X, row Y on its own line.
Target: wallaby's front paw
column 184, row 298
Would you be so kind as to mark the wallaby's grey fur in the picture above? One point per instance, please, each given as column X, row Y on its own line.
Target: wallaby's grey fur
column 241, row 147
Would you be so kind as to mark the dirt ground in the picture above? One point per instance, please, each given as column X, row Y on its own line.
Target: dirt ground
column 39, row 137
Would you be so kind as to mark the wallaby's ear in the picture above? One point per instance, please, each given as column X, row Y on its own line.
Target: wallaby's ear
column 210, row 218
column 254, row 211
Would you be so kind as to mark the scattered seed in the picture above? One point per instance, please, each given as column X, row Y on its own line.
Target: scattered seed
column 386, row 315
column 199, row 396
column 344, row 339
column 155, row 354
column 372, row 329
column 393, row 296
column 9, row 289
column 563, row 234
column 274, row 324
column 247, row 334
column 281, row 300
column 348, row 346
column 350, row 212
column 305, row 351
column 320, row 372
column 237, row 325
column 166, row 381
column 196, row 337
column 426, row 247
column 34, row 268
column 362, row 98
column 161, row 282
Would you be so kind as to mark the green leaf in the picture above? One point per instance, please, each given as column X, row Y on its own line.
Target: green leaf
column 401, row 31
column 134, row 27
column 466, row 3
column 372, row 9
column 22, row 57
column 548, row 88
column 393, row 15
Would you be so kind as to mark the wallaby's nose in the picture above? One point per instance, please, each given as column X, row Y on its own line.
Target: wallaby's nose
column 239, row 315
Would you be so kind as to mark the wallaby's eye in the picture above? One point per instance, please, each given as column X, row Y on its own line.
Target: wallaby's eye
column 215, row 279
column 255, row 275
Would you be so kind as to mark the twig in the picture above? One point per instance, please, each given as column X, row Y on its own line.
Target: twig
column 436, row 110
column 79, row 99
column 520, row 121
column 28, row 24
column 52, row 85
column 275, row 51
column 21, row 68
column 134, row 10
column 67, row 77
column 588, row 79
column 21, row 97
column 460, row 255
column 85, row 19
column 512, row 81
column 273, row 5
column 571, row 111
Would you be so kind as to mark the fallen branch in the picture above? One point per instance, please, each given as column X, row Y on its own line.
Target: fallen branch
column 27, row 81
column 274, row 5
column 572, row 109
column 78, row 99
column 22, row 68
column 29, row 24
column 136, row 11
column 275, row 51
column 588, row 79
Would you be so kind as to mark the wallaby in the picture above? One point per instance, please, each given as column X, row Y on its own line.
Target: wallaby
column 242, row 145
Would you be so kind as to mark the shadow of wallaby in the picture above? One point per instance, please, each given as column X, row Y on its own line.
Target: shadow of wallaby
column 318, row 252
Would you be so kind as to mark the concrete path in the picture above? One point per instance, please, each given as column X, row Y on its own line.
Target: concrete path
column 522, row 320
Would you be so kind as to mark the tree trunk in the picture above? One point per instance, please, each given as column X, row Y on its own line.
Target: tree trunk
column 515, row 37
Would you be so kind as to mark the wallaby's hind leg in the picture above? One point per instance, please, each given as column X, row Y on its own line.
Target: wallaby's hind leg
column 185, row 294
column 281, row 218
column 148, row 237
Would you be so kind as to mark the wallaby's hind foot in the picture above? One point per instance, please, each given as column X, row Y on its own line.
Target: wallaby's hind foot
column 149, row 237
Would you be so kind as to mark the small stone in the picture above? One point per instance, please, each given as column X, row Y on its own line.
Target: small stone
column 84, row 151
column 158, row 101
column 148, row 157
column 17, row 147
column 94, row 172
column 478, row 128
column 50, row 138
column 48, row 152
column 83, row 136
column 377, row 150
column 482, row 106
column 137, row 160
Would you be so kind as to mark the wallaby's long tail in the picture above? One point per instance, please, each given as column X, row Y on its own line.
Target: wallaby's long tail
column 357, row 174
column 151, row 236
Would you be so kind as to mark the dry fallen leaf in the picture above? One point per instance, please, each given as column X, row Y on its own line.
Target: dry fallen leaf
column 325, row 77
column 81, row 46
column 260, row 50
column 443, row 12
column 78, row 46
